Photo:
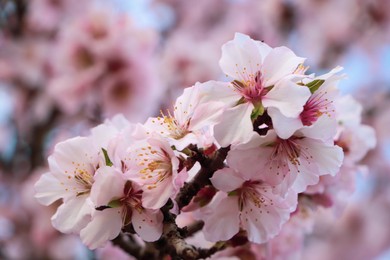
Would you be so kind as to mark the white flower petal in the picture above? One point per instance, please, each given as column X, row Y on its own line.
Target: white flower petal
column 226, row 180
column 223, row 223
column 235, row 126
column 49, row 189
column 328, row 158
column 240, row 57
column 73, row 215
column 279, row 63
column 148, row 224
column 109, row 184
column 284, row 126
column 104, row 226
column 288, row 97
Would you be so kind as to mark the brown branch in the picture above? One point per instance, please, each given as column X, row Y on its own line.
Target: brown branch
column 127, row 245
column 130, row 246
column 204, row 253
column 193, row 228
column 177, row 244
column 202, row 178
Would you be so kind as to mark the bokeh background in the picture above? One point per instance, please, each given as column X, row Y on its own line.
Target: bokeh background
column 66, row 65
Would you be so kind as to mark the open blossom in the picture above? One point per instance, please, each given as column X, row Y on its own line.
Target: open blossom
column 297, row 161
column 262, row 78
column 119, row 203
column 156, row 167
column 72, row 168
column 192, row 117
column 320, row 103
column 245, row 203
column 73, row 165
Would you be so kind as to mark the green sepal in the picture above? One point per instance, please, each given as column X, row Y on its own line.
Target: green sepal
column 241, row 101
column 314, row 85
column 257, row 111
column 233, row 193
column 107, row 158
column 114, row 204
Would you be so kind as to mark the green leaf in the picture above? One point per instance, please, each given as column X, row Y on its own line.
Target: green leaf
column 107, row 158
column 315, row 84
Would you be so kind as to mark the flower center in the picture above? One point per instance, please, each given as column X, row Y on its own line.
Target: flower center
column 174, row 128
column 156, row 165
column 316, row 106
column 286, row 154
column 249, row 193
column 252, row 89
column 130, row 201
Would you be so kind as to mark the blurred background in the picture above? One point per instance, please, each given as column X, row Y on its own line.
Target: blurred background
column 66, row 65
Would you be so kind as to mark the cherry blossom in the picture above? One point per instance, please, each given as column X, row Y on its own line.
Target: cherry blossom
column 72, row 168
column 245, row 203
column 297, row 161
column 261, row 79
column 320, row 103
column 193, row 116
column 156, row 168
column 123, row 199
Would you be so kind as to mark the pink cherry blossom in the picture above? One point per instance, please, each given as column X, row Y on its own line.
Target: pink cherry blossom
column 320, row 103
column 72, row 167
column 297, row 161
column 247, row 204
column 156, row 167
column 193, row 116
column 261, row 79
column 123, row 197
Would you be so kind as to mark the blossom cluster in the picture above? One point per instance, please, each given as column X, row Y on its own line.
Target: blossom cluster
column 285, row 134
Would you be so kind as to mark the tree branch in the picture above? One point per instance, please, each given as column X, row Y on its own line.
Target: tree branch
column 202, row 178
column 193, row 228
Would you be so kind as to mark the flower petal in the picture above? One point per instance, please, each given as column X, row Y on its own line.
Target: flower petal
column 226, row 180
column 156, row 197
column 148, row 224
column 288, row 97
column 279, row 63
column 284, row 126
column 240, row 57
column 235, row 126
column 104, row 226
column 73, row 215
column 49, row 189
column 109, row 184
column 327, row 157
column 223, row 223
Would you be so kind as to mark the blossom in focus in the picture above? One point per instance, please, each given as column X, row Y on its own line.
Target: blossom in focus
column 262, row 77
column 294, row 162
column 247, row 203
column 193, row 116
column 320, row 103
column 155, row 166
column 123, row 199
column 72, row 169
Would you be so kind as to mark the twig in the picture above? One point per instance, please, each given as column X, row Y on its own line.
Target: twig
column 128, row 246
column 202, row 178
column 193, row 228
